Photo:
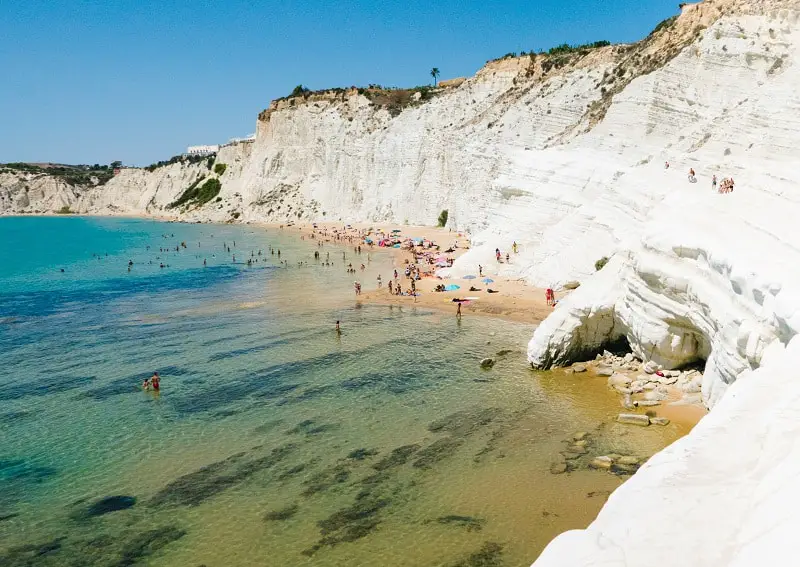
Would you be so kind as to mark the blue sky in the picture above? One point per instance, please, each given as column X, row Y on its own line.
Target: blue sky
column 138, row 81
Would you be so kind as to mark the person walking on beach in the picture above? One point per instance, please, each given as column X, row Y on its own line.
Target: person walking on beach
column 380, row 281
column 480, row 270
column 458, row 310
column 390, row 288
column 714, row 183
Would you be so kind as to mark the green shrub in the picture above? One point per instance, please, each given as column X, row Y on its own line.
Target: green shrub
column 65, row 210
column 182, row 159
column 443, row 218
column 567, row 48
column 198, row 195
column 600, row 263
column 300, row 90
column 220, row 168
column 664, row 25
column 75, row 175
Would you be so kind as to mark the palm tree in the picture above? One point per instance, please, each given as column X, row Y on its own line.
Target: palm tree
column 435, row 75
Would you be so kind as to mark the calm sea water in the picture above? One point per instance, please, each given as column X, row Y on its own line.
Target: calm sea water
column 274, row 440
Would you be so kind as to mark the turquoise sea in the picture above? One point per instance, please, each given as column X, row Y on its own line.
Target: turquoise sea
column 274, row 440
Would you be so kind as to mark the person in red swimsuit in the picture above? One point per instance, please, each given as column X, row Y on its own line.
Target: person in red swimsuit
column 154, row 381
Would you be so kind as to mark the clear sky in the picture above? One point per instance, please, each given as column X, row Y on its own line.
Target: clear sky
column 138, row 80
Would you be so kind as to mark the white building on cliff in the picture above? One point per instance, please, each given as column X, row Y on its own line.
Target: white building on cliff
column 202, row 150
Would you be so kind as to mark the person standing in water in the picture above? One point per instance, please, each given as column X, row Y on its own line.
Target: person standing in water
column 458, row 311
column 152, row 383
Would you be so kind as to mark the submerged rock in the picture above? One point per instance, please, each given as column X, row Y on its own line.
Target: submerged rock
column 659, row 420
column 487, row 363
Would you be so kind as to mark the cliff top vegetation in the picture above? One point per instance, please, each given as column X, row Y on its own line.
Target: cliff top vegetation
column 70, row 174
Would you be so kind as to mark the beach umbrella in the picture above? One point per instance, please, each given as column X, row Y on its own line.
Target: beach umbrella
column 470, row 277
column 451, row 287
column 487, row 280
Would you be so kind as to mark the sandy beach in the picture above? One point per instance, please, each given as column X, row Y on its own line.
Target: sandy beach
column 513, row 300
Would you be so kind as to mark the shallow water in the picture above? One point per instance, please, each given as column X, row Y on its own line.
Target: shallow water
column 274, row 440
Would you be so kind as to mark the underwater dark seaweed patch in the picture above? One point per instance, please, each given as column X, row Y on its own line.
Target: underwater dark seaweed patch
column 13, row 416
column 43, row 386
column 104, row 506
column 398, row 456
column 437, row 451
column 311, row 427
column 468, row 522
column 32, row 554
column 282, row 514
column 326, row 479
column 235, row 353
column 147, row 543
column 297, row 469
column 490, row 555
column 349, row 524
column 465, row 422
column 126, row 385
column 23, row 470
column 361, row 454
column 193, row 488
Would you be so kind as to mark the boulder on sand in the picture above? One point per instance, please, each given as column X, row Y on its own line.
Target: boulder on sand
column 602, row 462
column 633, row 419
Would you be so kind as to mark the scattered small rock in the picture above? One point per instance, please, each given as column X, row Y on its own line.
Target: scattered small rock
column 580, row 436
column 604, row 371
column 655, row 396
column 579, row 367
column 659, row 420
column 619, row 380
